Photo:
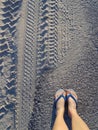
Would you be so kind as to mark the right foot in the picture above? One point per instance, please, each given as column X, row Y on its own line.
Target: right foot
column 71, row 103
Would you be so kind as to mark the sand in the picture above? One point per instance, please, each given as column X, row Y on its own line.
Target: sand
column 45, row 46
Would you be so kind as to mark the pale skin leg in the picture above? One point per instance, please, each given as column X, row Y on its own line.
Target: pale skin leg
column 77, row 122
column 59, row 121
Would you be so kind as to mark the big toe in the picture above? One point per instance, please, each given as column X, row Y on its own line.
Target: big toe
column 59, row 92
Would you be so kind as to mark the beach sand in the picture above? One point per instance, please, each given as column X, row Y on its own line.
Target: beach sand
column 45, row 46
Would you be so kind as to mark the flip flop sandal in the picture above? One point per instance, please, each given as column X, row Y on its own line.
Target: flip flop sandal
column 61, row 96
column 70, row 95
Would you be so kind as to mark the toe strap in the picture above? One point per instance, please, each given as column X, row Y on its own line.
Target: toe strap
column 70, row 95
column 61, row 96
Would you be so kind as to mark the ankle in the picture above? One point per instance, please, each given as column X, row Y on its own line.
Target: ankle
column 60, row 111
column 72, row 112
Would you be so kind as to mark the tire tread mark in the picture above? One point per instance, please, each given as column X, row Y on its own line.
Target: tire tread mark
column 8, row 65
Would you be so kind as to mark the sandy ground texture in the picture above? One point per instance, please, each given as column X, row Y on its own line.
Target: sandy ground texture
column 46, row 45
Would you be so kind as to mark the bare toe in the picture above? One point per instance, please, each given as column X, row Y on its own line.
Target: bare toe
column 59, row 92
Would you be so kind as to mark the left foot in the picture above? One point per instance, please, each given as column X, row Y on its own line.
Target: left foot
column 60, row 105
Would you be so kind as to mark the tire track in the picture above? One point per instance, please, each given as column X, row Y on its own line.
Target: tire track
column 76, row 64
column 56, row 50
column 26, row 92
column 47, row 36
column 42, row 60
column 8, row 63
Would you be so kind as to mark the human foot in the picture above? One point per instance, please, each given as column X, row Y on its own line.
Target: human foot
column 60, row 101
column 72, row 101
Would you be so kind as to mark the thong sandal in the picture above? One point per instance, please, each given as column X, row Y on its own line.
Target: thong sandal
column 61, row 96
column 70, row 95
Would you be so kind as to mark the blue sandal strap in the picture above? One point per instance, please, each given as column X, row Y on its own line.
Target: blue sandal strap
column 61, row 96
column 56, row 100
column 70, row 95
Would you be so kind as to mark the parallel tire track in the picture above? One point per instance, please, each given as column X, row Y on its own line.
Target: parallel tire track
column 56, row 51
column 47, row 36
column 27, row 87
column 8, row 63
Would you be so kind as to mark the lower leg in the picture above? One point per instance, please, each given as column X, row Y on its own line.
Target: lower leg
column 59, row 122
column 77, row 122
